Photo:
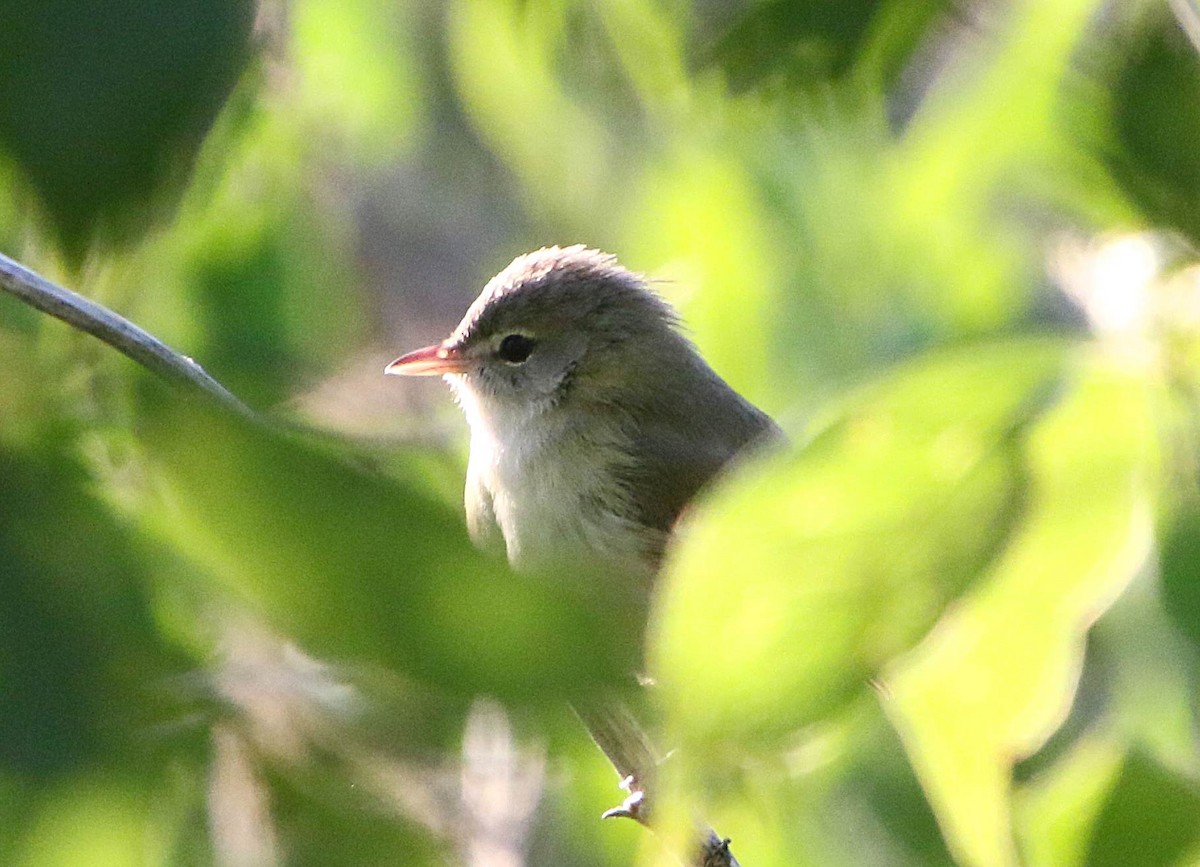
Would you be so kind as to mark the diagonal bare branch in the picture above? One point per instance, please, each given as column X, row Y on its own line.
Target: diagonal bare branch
column 117, row 331
column 628, row 749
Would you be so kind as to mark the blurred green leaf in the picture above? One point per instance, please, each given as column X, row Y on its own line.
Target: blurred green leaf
column 256, row 280
column 358, row 87
column 1058, row 809
column 240, row 299
column 354, row 566
column 1151, row 674
column 99, row 820
column 1151, row 818
column 1137, row 692
column 799, row 45
column 503, row 54
column 708, row 211
column 341, row 826
column 846, row 551
column 82, row 668
column 1155, row 119
column 1179, row 568
column 881, row 781
column 968, row 211
column 104, row 111
column 997, row 676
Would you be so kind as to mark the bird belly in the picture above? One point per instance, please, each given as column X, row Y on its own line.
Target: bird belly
column 557, row 523
column 553, row 492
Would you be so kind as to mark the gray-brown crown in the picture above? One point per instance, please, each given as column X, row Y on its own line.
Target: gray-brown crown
column 559, row 286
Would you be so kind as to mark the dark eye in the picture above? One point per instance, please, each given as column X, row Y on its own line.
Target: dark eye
column 515, row 348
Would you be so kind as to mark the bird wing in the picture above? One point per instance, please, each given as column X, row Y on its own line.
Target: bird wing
column 675, row 455
column 670, row 469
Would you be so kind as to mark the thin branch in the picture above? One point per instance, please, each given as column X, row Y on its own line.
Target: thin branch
column 628, row 748
column 118, row 332
column 619, row 736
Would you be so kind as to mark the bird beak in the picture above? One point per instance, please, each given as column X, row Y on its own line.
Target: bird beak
column 433, row 360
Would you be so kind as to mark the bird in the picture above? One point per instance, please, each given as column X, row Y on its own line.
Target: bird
column 594, row 420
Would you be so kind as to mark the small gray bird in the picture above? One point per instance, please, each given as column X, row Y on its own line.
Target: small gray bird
column 593, row 419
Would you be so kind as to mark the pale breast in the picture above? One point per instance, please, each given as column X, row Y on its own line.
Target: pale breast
column 555, row 493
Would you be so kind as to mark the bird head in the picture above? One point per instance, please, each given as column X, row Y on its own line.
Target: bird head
column 550, row 320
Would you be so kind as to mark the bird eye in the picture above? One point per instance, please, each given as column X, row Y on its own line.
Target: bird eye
column 515, row 348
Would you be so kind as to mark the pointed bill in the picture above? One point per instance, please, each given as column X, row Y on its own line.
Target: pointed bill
column 435, row 360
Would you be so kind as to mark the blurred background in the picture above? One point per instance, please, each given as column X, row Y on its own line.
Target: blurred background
column 950, row 245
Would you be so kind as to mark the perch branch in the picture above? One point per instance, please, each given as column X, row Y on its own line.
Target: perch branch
column 118, row 332
column 628, row 749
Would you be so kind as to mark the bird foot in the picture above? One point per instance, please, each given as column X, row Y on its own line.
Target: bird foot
column 633, row 807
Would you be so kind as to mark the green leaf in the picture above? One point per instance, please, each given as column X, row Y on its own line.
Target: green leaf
column 101, row 820
column 104, row 112
column 1149, row 819
column 347, row 827
column 804, row 44
column 1155, row 122
column 799, row 578
column 1057, row 810
column 356, row 566
column 997, row 675
column 1179, row 569
column 82, row 666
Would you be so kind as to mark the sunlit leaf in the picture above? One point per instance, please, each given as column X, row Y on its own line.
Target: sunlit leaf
column 705, row 215
column 997, row 675
column 357, row 84
column 502, row 55
column 355, row 566
column 1057, row 810
column 798, row 580
column 102, row 821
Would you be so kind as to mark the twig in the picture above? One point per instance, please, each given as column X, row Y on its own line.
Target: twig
column 118, row 332
column 619, row 736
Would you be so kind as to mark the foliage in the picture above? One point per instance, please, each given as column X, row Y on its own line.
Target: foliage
column 950, row 247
